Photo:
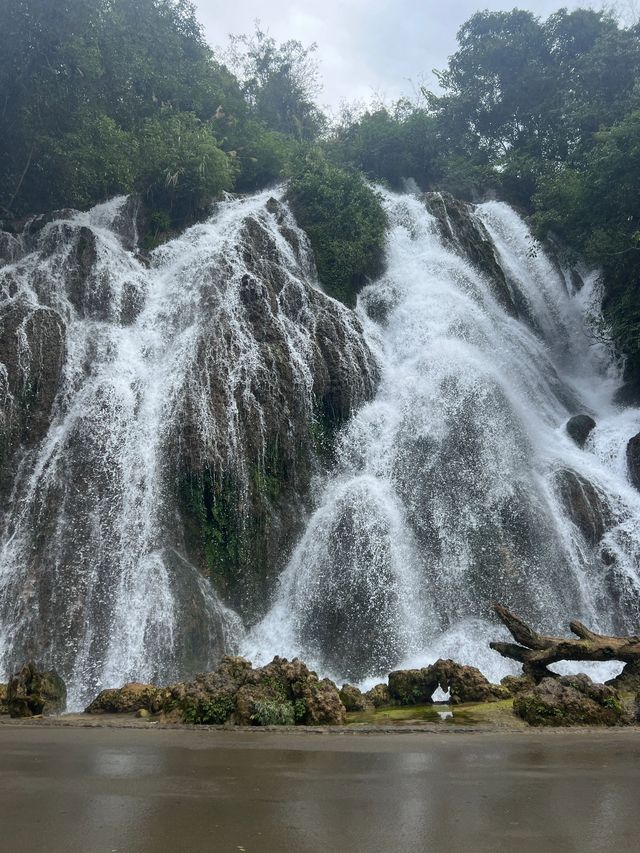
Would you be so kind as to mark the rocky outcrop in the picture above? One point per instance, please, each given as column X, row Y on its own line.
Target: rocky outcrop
column 354, row 699
column 467, row 235
column 572, row 700
column 128, row 699
column 628, row 680
column 280, row 693
column 633, row 460
column 579, row 428
column 32, row 692
column 379, row 696
column 464, row 684
column 584, row 504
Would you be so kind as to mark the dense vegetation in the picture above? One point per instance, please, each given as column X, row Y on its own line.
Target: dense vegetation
column 108, row 96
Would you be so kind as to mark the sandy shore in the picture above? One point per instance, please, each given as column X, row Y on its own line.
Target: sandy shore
column 143, row 790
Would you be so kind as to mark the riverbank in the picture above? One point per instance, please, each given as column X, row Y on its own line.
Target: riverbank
column 69, row 786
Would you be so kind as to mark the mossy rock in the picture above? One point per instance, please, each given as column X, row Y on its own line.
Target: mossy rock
column 572, row 700
column 32, row 692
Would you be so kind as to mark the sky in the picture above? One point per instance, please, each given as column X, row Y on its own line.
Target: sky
column 366, row 48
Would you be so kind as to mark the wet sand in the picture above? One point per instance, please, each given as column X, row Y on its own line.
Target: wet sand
column 135, row 790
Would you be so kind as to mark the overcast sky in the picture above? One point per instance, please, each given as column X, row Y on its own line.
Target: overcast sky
column 366, row 47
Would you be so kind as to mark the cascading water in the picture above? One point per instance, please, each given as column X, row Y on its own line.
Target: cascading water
column 205, row 360
column 457, row 485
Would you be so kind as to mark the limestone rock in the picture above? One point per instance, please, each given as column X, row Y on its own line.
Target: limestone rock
column 354, row 699
column 516, row 684
column 379, row 696
column 633, row 460
column 568, row 701
column 464, row 683
column 281, row 693
column 579, row 428
column 32, row 692
column 127, row 699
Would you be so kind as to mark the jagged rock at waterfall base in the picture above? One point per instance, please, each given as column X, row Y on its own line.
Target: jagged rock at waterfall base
column 354, row 699
column 32, row 692
column 570, row 700
column 579, row 428
column 4, row 709
column 633, row 460
column 379, row 695
column 537, row 652
column 585, row 505
column 517, row 684
column 127, row 699
column 280, row 693
column 464, row 684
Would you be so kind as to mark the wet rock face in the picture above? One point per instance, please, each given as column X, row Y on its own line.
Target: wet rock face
column 584, row 505
column 32, row 692
column 464, row 684
column 468, row 236
column 32, row 350
column 579, row 428
column 568, row 701
column 633, row 460
column 278, row 367
column 280, row 693
column 176, row 410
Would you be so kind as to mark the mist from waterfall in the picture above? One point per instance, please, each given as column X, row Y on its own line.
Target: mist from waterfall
column 451, row 485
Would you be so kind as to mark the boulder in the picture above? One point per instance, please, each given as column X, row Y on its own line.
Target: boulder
column 633, row 460
column 127, row 699
column 354, row 699
column 3, row 699
column 569, row 701
column 379, row 696
column 579, row 428
column 584, row 504
column 464, row 684
column 32, row 692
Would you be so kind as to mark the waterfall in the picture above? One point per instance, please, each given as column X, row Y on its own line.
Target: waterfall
column 457, row 484
column 189, row 367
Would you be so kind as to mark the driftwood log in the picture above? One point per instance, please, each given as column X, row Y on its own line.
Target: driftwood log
column 535, row 651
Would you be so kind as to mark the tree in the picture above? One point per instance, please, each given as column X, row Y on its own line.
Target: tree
column 280, row 81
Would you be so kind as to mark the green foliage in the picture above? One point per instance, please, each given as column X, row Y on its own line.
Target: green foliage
column 180, row 165
column 209, row 711
column 269, row 712
column 345, row 222
column 280, row 82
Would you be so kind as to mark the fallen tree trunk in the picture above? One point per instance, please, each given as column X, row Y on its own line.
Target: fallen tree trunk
column 535, row 651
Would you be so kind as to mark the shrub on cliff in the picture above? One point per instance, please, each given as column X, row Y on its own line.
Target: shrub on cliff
column 345, row 222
